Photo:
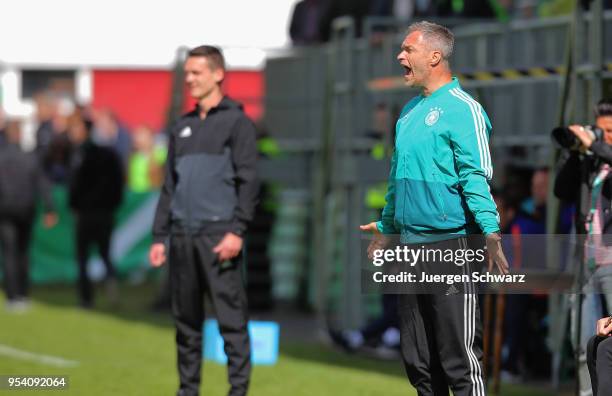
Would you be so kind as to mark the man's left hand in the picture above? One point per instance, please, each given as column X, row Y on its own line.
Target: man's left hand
column 229, row 247
column 496, row 254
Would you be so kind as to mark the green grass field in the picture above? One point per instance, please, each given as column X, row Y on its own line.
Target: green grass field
column 127, row 351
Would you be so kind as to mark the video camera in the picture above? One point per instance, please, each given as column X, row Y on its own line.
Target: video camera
column 567, row 140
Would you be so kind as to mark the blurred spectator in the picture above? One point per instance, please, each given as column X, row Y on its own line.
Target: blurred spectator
column 52, row 116
column 52, row 144
column 478, row 9
column 45, row 108
column 404, row 9
column 381, row 135
column 109, row 132
column 506, row 212
column 407, row 9
column 305, row 25
column 447, row 8
column 469, row 9
column 381, row 8
column 525, row 313
column 21, row 183
column 381, row 124
column 531, row 218
column 381, row 332
column 95, row 193
column 531, row 215
column 358, row 9
column 56, row 155
column 2, row 128
column 145, row 171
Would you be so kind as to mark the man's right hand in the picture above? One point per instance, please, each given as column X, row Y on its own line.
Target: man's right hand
column 157, row 254
column 379, row 241
column 604, row 327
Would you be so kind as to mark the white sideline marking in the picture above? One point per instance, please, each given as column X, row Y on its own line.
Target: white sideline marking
column 35, row 357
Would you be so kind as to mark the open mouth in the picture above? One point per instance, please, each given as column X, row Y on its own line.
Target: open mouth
column 407, row 71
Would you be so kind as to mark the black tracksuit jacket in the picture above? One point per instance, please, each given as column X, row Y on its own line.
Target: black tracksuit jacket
column 97, row 179
column 210, row 183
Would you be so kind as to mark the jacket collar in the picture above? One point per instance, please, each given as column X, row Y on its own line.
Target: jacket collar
column 453, row 83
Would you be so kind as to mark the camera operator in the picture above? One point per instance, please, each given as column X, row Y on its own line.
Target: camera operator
column 599, row 358
column 585, row 178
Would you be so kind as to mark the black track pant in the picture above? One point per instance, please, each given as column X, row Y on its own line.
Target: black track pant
column 194, row 270
column 441, row 333
column 15, row 234
column 93, row 228
column 599, row 361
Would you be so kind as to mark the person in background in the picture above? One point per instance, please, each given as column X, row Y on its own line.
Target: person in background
column 531, row 217
column 597, row 222
column 357, row 9
column 145, row 168
column 45, row 109
column 383, row 330
column 95, row 193
column 305, row 24
column 52, row 145
column 2, row 128
column 56, row 157
column 107, row 131
column 145, row 174
column 22, row 182
column 599, row 358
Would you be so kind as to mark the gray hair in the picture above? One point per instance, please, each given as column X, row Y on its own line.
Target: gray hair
column 438, row 37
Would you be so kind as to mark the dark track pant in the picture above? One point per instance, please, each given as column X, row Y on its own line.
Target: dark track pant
column 441, row 334
column 93, row 228
column 15, row 234
column 599, row 361
column 194, row 270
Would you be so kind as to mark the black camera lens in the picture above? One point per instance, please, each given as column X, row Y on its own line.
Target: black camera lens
column 564, row 137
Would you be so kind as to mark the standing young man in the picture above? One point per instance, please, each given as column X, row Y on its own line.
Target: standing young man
column 207, row 199
column 438, row 194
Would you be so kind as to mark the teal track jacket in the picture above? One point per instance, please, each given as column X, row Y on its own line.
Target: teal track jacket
column 438, row 185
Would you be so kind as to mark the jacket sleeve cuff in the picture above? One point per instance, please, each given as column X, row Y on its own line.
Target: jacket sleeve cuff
column 238, row 227
column 380, row 226
column 490, row 229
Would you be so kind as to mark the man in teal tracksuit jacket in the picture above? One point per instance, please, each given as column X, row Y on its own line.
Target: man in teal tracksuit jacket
column 438, row 194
